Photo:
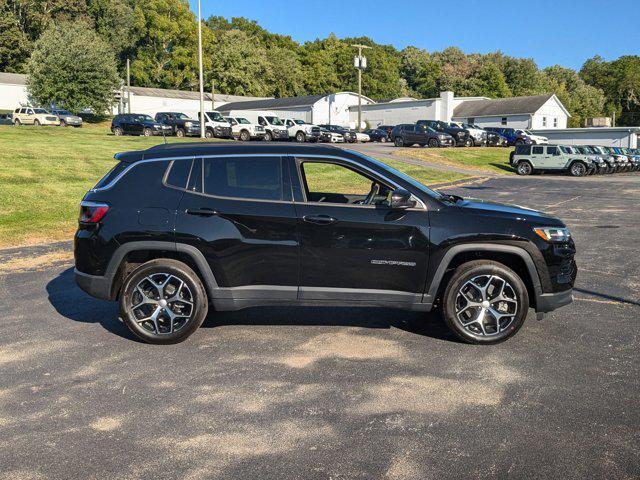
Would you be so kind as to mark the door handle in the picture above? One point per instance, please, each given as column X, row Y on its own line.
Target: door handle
column 202, row 212
column 319, row 219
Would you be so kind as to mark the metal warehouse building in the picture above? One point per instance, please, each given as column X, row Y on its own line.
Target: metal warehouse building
column 331, row 108
column 607, row 136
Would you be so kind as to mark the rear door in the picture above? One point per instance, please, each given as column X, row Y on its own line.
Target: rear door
column 353, row 246
column 239, row 213
column 538, row 157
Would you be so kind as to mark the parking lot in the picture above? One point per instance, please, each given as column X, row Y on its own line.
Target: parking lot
column 330, row 392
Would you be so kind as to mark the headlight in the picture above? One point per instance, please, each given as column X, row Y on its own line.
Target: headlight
column 460, row 134
column 553, row 234
column 188, row 124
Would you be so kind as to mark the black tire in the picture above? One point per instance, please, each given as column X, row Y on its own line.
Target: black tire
column 301, row 137
column 398, row 142
column 36, row 122
column 519, row 142
column 469, row 142
column 180, row 133
column 147, row 132
column 433, row 143
column 510, row 305
column 118, row 132
column 268, row 137
column 383, row 140
column 63, row 123
column 524, row 168
column 208, row 133
column 191, row 290
column 245, row 136
column 578, row 169
column 17, row 123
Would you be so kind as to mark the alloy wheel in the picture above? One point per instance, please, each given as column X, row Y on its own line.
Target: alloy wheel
column 486, row 305
column 162, row 303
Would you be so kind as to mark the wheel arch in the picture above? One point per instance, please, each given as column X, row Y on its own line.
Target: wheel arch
column 511, row 256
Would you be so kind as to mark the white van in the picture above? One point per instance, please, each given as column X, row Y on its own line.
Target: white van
column 216, row 126
column 301, row 130
column 274, row 128
column 244, row 130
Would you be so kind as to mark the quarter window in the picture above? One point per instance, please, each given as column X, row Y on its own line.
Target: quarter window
column 179, row 173
column 250, row 178
column 503, row 121
column 537, row 150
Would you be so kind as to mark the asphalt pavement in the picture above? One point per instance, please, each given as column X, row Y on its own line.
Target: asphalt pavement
column 306, row 393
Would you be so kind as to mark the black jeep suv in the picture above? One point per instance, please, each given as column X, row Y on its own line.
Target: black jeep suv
column 462, row 136
column 175, row 229
column 181, row 125
column 407, row 135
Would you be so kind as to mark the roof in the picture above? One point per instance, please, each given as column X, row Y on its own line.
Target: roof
column 13, row 78
column 271, row 103
column 186, row 95
column 503, row 106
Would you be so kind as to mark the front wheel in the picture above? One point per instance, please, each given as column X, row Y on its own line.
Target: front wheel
column 383, row 139
column 208, row 133
column 268, row 137
column 485, row 302
column 469, row 142
column 398, row 142
column 36, row 122
column 17, row 122
column 163, row 301
column 578, row 169
column 180, row 133
column 147, row 132
column 63, row 123
column 245, row 136
column 301, row 137
column 433, row 143
column 118, row 132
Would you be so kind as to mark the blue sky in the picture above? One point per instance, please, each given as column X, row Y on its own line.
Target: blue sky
column 564, row 32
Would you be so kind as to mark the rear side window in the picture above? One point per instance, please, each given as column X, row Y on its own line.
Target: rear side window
column 523, row 149
column 112, row 174
column 538, row 150
column 178, row 173
column 243, row 177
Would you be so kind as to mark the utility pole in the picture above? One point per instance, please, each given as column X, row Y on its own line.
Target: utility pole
column 200, row 71
column 128, row 86
column 213, row 94
column 360, row 63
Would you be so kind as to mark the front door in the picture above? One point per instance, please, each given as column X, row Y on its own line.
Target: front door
column 239, row 213
column 353, row 246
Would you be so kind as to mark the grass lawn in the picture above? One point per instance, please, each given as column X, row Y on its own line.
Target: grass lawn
column 45, row 171
column 489, row 159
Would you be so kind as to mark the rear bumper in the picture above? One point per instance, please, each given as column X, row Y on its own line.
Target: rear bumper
column 547, row 302
column 95, row 285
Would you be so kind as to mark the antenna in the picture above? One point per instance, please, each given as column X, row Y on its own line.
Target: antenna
column 164, row 136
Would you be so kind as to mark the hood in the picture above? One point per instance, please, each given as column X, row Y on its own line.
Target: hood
column 474, row 205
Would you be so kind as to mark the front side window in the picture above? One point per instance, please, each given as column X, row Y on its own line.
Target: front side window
column 327, row 182
column 40, row 111
column 242, row 120
column 553, row 151
column 523, row 149
column 274, row 121
column 214, row 116
column 243, row 177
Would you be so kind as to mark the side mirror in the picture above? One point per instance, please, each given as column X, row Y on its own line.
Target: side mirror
column 401, row 199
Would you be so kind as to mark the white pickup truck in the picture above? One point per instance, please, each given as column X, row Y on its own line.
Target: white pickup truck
column 301, row 130
column 244, row 130
column 216, row 126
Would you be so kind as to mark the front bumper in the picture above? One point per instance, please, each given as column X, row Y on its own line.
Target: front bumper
column 280, row 134
column 222, row 132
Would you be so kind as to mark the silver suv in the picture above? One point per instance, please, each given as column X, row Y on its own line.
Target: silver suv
column 527, row 159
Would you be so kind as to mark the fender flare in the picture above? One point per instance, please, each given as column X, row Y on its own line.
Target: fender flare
column 430, row 294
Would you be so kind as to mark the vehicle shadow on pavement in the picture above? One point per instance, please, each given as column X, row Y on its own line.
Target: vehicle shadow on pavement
column 605, row 296
column 72, row 303
column 419, row 323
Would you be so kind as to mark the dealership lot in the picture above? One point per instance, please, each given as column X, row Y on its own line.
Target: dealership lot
column 334, row 393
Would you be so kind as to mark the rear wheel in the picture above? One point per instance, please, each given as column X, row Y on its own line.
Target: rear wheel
column 578, row 169
column 485, row 302
column 524, row 168
column 163, row 301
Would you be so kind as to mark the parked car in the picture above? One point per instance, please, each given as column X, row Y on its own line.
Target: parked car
column 377, row 135
column 67, row 118
column 517, row 136
column 244, row 130
column 386, row 128
column 216, row 126
column 478, row 135
column 273, row 125
column 621, row 161
column 301, row 131
column 181, row 125
column 328, row 136
column 6, row 118
column 528, row 159
column 349, row 135
column 496, row 140
column 362, row 137
column 634, row 159
column 138, row 124
column 601, row 166
column 34, row 116
column 461, row 136
column 407, row 135
column 175, row 230
column 613, row 165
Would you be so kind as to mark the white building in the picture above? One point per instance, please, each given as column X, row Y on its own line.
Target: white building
column 13, row 91
column 318, row 109
column 533, row 112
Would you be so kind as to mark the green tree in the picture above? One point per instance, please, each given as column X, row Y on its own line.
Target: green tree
column 72, row 66
column 114, row 20
column 489, row 81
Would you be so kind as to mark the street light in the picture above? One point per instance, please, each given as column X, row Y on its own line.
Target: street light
column 200, row 72
column 360, row 62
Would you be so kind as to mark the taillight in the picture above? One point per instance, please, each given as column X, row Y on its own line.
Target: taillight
column 92, row 212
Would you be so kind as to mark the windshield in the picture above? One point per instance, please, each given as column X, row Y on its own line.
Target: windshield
column 566, row 149
column 526, row 132
column 143, row 118
column 300, row 122
column 39, row 110
column 274, row 120
column 410, row 180
column 216, row 116
column 232, row 121
column 63, row 112
column 243, row 120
